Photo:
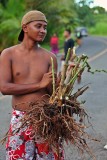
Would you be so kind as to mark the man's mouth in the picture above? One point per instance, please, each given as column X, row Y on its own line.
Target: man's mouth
column 41, row 36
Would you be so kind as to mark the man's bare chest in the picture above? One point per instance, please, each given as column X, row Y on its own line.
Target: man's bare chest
column 29, row 68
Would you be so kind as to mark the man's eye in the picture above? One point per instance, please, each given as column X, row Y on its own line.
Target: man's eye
column 38, row 26
column 45, row 28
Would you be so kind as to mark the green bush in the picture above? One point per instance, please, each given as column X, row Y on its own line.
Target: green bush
column 99, row 29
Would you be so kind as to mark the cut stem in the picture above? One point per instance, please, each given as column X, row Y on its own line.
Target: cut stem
column 53, row 75
column 63, row 74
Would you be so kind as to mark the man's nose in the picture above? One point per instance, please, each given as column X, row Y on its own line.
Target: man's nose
column 43, row 30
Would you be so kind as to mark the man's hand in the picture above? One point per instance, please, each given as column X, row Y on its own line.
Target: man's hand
column 46, row 80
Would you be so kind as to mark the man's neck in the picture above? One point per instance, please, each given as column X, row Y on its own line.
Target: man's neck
column 68, row 37
column 29, row 45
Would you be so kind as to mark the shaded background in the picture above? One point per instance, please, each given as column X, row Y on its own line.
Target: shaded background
column 61, row 14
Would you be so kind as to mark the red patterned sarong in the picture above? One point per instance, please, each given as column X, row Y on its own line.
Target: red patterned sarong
column 22, row 145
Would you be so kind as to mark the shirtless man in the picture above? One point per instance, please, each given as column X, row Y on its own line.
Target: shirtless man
column 26, row 75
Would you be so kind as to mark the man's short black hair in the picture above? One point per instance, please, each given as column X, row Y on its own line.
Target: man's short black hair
column 68, row 30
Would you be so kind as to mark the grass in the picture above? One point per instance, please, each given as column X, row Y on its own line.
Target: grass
column 99, row 29
column 101, row 25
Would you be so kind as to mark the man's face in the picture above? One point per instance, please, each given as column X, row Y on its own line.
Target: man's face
column 37, row 30
column 66, row 34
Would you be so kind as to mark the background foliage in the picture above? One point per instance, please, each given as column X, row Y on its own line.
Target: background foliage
column 61, row 14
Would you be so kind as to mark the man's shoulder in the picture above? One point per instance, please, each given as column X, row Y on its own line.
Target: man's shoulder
column 71, row 40
column 8, row 51
column 48, row 53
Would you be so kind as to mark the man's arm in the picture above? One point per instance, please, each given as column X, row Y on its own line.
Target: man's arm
column 7, row 87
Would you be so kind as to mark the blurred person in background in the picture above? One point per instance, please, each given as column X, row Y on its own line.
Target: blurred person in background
column 68, row 43
column 54, row 44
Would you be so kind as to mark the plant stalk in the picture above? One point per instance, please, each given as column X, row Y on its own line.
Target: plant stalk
column 53, row 75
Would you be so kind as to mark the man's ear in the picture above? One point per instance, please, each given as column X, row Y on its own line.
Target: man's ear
column 24, row 27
